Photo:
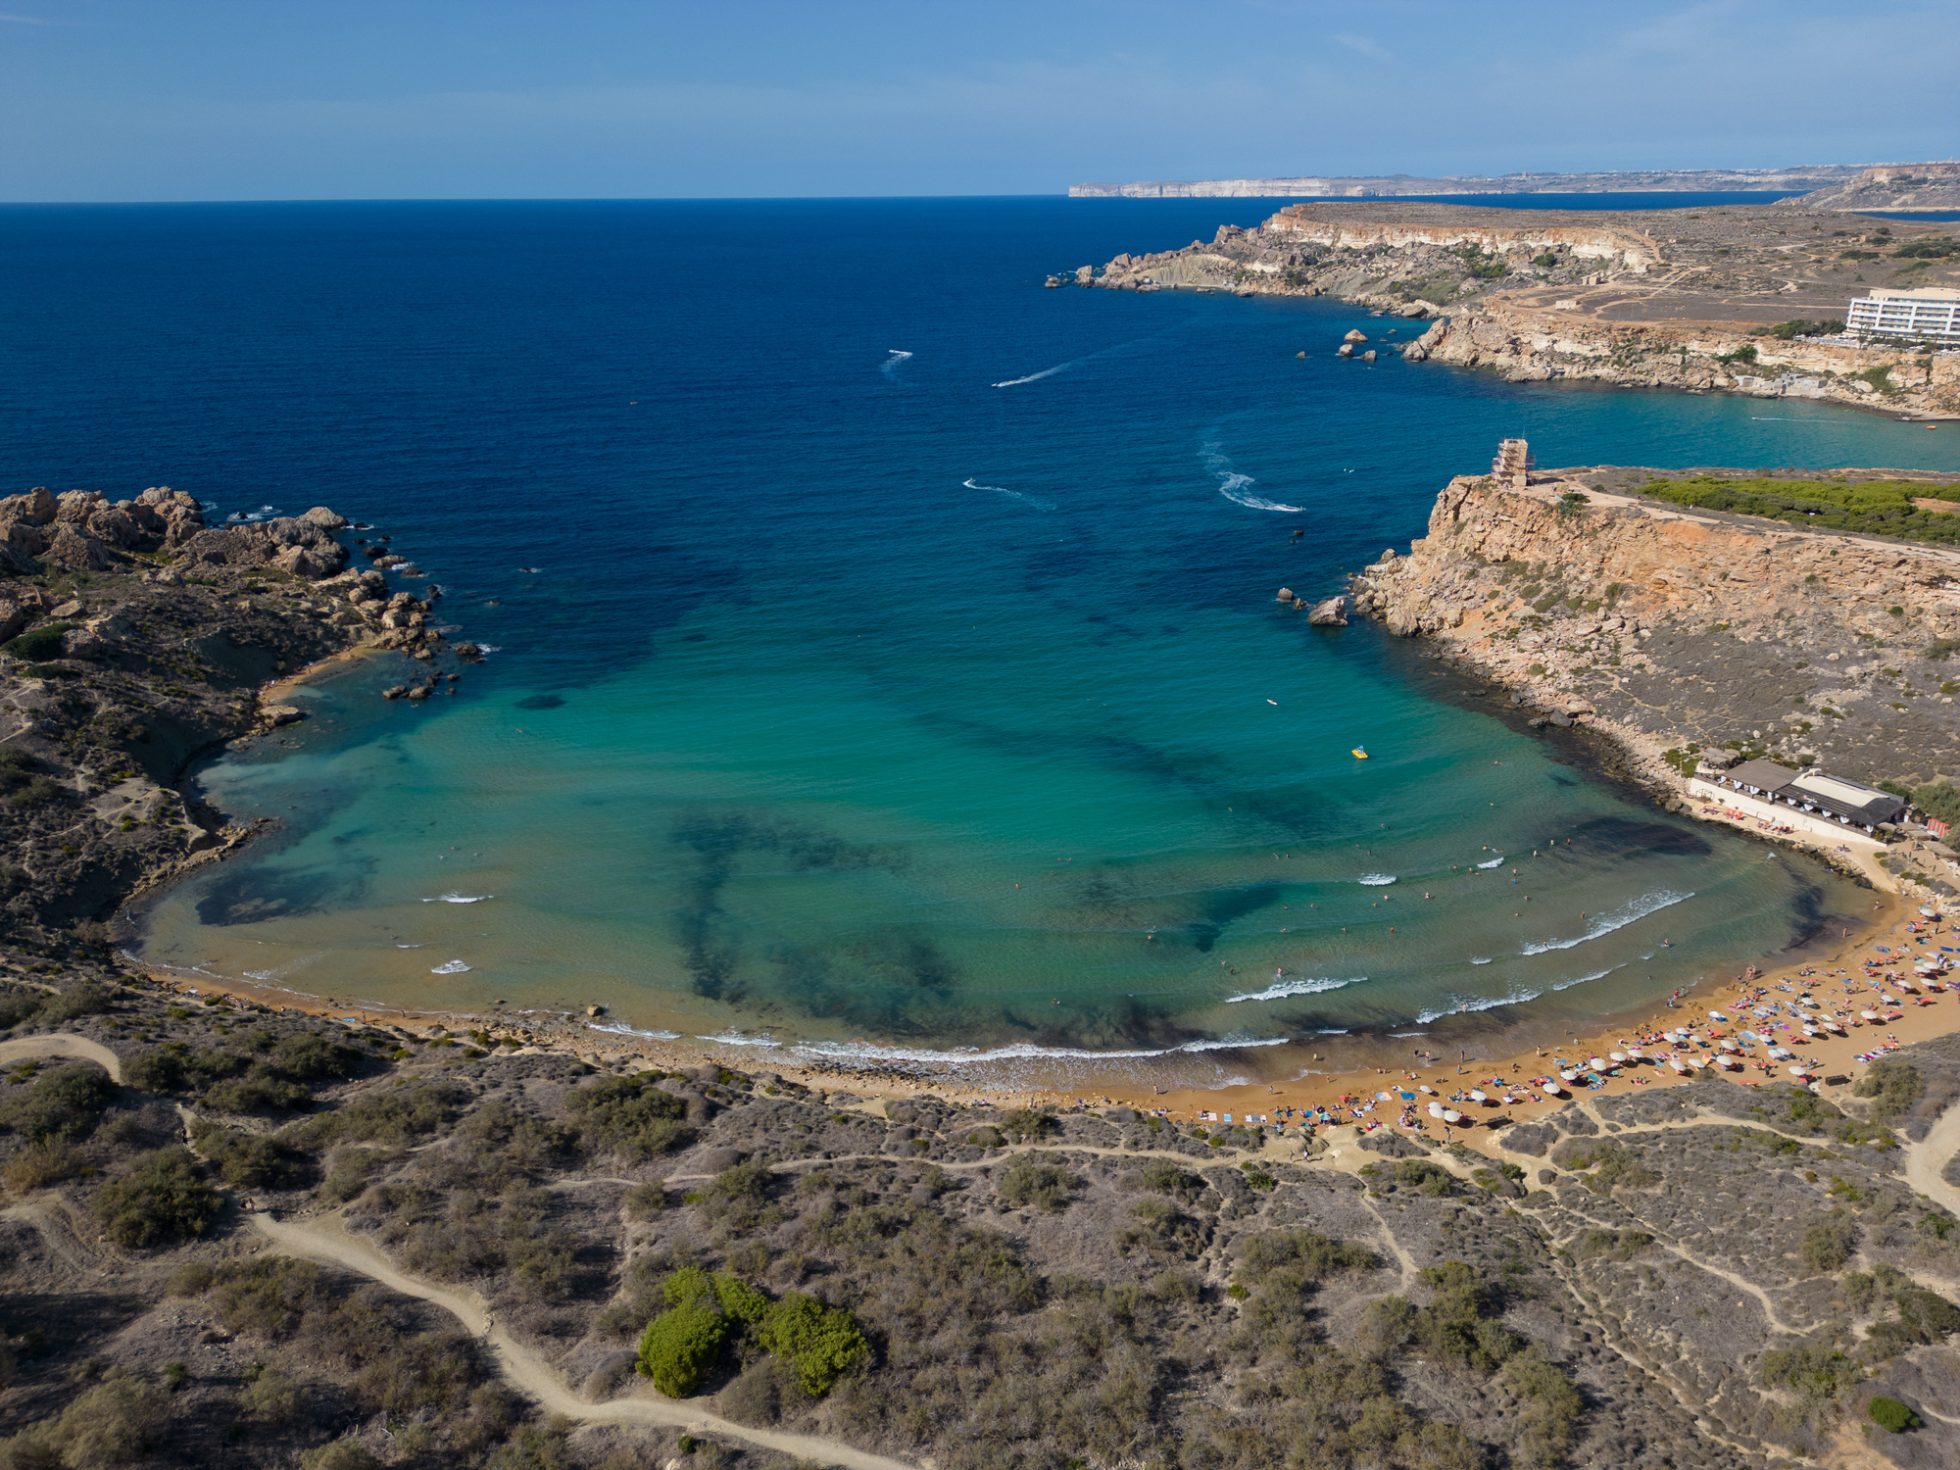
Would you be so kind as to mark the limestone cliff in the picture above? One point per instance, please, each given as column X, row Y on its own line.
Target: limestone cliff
column 1892, row 186
column 1746, row 299
column 1676, row 628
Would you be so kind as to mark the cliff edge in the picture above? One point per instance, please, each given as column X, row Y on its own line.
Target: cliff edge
column 1680, row 629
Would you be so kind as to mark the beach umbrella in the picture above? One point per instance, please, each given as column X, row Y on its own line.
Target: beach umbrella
column 1477, row 1095
column 1679, row 1067
column 1435, row 1110
column 1698, row 1063
column 1869, row 1015
column 1717, row 1016
column 1729, row 1043
column 1596, row 1064
column 1551, row 1087
column 1797, row 1069
column 1452, row 1116
column 1617, row 1056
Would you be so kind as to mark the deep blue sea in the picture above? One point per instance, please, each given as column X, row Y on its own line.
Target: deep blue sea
column 886, row 654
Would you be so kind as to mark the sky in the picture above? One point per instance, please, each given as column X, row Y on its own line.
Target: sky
column 104, row 100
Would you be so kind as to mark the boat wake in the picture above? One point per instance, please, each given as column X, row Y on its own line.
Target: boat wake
column 890, row 364
column 1037, row 377
column 1618, row 919
column 1035, row 500
column 1283, row 989
column 1234, row 485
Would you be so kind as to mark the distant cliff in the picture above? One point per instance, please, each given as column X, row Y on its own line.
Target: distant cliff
column 1895, row 187
column 1674, row 627
column 1390, row 186
column 1743, row 299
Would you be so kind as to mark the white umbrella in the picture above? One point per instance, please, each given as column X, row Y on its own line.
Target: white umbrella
column 1435, row 1110
column 1617, row 1056
column 1551, row 1087
column 1451, row 1115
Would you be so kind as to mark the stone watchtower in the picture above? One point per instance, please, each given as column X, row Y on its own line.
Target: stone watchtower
column 1512, row 467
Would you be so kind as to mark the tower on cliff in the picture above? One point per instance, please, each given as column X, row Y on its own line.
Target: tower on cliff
column 1512, row 467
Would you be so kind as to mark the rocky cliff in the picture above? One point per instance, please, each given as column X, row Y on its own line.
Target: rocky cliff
column 1676, row 628
column 134, row 637
column 1892, row 186
column 1745, row 300
column 1388, row 186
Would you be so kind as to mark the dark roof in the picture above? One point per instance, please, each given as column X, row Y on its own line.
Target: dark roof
column 1763, row 775
column 1855, row 802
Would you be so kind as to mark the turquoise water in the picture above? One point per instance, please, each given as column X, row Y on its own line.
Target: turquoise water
column 850, row 700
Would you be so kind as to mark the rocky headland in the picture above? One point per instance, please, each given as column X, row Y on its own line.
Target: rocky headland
column 1388, row 186
column 135, row 638
column 1682, row 631
column 1746, row 299
column 1893, row 187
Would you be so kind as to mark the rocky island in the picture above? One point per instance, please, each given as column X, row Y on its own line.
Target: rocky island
column 1747, row 299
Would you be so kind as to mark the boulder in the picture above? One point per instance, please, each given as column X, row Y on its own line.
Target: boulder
column 1331, row 612
column 1286, row 594
column 75, row 549
column 1347, row 350
column 277, row 715
column 323, row 519
column 1369, row 355
column 1355, row 335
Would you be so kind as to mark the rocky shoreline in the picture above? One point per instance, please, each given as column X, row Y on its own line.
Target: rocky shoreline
column 1684, row 636
column 1742, row 299
column 136, row 639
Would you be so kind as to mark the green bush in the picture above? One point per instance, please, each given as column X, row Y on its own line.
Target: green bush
column 161, row 1200
column 1828, row 1243
column 107, row 1427
column 633, row 1117
column 1881, row 507
column 680, row 1348
column 1035, row 1182
column 1893, row 1087
column 819, row 1343
column 38, row 643
column 62, row 1104
column 1891, row 1415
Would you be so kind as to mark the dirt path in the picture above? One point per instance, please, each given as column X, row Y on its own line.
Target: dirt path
column 1228, row 1156
column 63, row 1044
column 327, row 1241
column 1927, row 1159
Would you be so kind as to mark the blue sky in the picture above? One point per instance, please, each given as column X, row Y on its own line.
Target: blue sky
column 258, row 99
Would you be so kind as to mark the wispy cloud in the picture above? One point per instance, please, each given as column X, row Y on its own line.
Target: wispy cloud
column 7, row 17
column 1361, row 45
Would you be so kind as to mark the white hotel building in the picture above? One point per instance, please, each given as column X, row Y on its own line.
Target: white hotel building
column 1924, row 314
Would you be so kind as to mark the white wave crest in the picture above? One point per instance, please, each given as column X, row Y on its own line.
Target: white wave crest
column 1496, row 862
column 1587, row 979
column 1463, row 1005
column 1633, row 912
column 451, row 967
column 1282, row 989
column 460, row 898
column 1479, row 959
column 1037, row 377
column 620, row 1028
column 976, row 1056
column 1376, row 880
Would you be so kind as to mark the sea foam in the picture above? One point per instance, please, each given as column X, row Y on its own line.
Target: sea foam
column 451, row 967
column 460, row 898
column 1632, row 913
column 1282, row 989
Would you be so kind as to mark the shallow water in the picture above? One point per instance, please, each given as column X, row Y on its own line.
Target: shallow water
column 887, row 656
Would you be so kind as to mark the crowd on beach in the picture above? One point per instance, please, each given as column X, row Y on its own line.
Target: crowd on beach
column 1806, row 1027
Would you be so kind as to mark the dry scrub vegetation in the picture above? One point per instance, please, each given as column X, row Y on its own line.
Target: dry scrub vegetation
column 984, row 1288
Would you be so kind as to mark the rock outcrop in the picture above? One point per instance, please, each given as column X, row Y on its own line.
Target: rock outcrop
column 111, row 686
column 1681, row 629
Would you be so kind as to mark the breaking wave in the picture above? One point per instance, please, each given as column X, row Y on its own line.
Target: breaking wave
column 1376, row 880
column 1585, row 979
column 1618, row 919
column 1479, row 959
column 460, row 898
column 1020, row 1051
column 1281, row 990
column 1496, row 862
column 620, row 1028
column 451, row 967
column 1461, row 1005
